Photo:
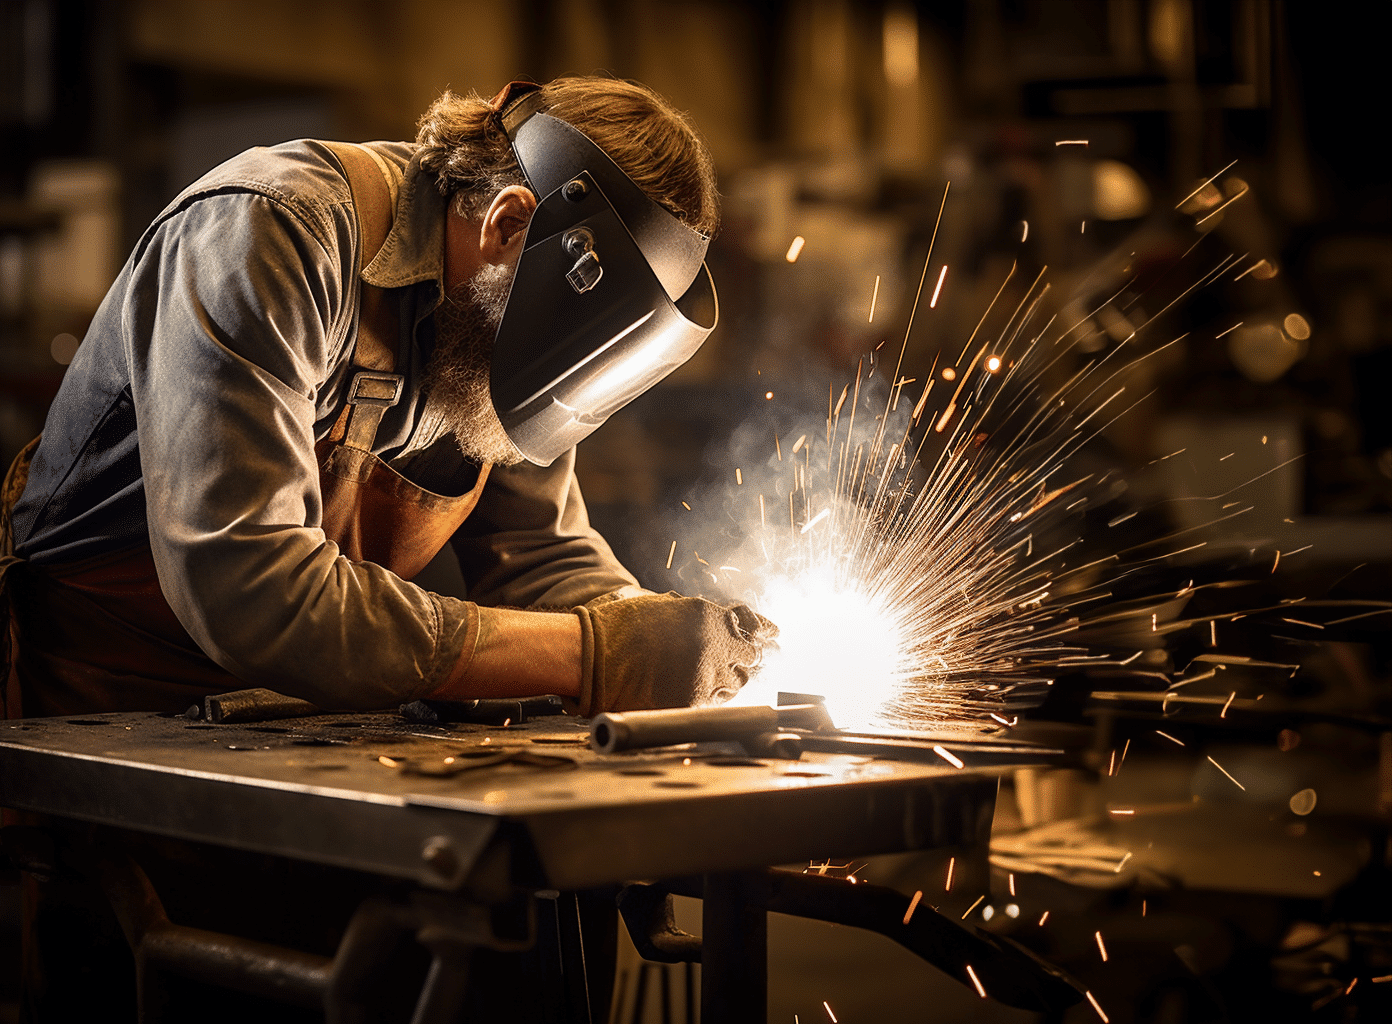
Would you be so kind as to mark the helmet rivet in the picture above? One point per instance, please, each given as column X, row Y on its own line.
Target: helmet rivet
column 575, row 190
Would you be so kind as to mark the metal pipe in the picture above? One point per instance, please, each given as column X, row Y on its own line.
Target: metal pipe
column 632, row 730
column 285, row 975
column 257, row 967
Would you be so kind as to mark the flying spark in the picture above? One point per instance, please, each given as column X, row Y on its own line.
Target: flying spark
column 976, row 981
column 913, row 905
column 948, row 756
column 942, row 276
column 816, row 519
column 932, row 566
column 795, row 250
column 1225, row 772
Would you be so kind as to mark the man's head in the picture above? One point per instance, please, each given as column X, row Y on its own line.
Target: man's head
column 464, row 145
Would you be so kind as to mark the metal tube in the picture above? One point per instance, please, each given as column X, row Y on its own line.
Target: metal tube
column 631, row 730
column 285, row 975
column 442, row 997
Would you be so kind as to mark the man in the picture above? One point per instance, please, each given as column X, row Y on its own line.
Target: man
column 321, row 363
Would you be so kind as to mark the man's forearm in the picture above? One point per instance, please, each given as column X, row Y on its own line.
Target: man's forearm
column 518, row 654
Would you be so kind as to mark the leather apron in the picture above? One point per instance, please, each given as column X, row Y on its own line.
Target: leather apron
column 98, row 634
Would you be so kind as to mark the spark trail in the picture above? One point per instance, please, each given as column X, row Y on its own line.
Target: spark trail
column 932, row 563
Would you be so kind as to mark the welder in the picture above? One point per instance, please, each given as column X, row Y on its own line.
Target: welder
column 324, row 362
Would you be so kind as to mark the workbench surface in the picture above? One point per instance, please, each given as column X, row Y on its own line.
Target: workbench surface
column 375, row 792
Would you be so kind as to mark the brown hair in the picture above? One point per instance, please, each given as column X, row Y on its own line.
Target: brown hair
column 463, row 144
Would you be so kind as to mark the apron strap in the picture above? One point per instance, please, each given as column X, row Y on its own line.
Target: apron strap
column 10, row 491
column 375, row 386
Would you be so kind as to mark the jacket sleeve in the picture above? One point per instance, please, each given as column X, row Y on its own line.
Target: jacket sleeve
column 530, row 543
column 229, row 323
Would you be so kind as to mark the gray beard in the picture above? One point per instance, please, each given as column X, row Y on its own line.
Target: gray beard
column 457, row 375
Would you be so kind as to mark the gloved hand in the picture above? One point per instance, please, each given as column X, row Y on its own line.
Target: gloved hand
column 666, row 651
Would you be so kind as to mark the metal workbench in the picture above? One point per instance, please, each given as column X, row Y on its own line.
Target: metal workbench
column 478, row 814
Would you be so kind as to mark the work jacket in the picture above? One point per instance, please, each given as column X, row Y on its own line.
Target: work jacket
column 189, row 419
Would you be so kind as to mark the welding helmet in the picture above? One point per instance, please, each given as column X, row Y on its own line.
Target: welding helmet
column 611, row 292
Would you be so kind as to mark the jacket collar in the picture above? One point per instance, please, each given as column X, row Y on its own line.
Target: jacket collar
column 415, row 247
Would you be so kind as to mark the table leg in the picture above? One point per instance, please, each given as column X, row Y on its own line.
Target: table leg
column 734, row 949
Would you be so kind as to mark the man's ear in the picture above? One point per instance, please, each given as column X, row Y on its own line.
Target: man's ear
column 505, row 224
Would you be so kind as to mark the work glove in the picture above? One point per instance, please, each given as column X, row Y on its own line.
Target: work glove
column 666, row 651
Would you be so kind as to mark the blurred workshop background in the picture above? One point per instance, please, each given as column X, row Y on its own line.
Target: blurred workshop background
column 838, row 122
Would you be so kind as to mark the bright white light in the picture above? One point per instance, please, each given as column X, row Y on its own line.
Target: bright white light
column 988, row 912
column 834, row 642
